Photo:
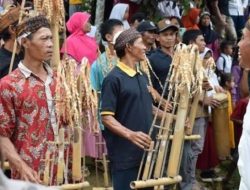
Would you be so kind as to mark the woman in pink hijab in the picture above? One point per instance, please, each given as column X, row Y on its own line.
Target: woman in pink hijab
column 79, row 45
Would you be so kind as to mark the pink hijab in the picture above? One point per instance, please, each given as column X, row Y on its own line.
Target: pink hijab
column 78, row 44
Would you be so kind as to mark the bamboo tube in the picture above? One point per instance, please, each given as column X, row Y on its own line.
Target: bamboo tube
column 46, row 176
column 56, row 44
column 162, row 149
column 155, row 182
column 76, row 160
column 74, row 186
column 188, row 137
column 148, row 162
column 192, row 113
column 178, row 138
column 61, row 163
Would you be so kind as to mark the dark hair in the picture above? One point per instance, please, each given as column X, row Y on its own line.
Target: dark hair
column 108, row 26
column 190, row 36
column 120, row 52
column 139, row 16
column 225, row 77
column 225, row 44
column 33, row 24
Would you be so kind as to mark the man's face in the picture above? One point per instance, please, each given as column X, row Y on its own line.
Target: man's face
column 167, row 38
column 39, row 47
column 148, row 38
column 200, row 42
column 138, row 49
column 244, row 49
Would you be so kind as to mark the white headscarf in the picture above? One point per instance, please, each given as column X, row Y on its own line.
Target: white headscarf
column 118, row 12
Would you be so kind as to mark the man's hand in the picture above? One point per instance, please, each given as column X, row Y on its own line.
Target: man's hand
column 140, row 139
column 206, row 85
column 28, row 174
column 210, row 101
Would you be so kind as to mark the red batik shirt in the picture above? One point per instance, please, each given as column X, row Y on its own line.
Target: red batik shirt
column 25, row 117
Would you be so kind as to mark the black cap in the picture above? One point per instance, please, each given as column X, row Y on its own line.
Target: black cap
column 166, row 24
column 146, row 26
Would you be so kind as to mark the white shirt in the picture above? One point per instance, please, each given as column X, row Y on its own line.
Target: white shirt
column 236, row 7
column 224, row 59
column 168, row 10
column 244, row 152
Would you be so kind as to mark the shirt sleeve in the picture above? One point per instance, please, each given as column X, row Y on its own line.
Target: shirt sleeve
column 7, row 112
column 219, row 63
column 109, row 95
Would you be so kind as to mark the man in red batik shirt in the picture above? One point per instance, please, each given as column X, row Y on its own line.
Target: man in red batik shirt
column 27, row 112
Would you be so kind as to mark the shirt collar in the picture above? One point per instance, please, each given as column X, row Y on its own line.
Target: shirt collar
column 26, row 72
column 128, row 70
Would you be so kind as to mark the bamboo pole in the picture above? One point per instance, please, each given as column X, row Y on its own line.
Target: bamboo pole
column 61, row 163
column 74, row 186
column 188, row 137
column 148, row 162
column 155, row 182
column 76, row 160
column 15, row 42
column 178, row 138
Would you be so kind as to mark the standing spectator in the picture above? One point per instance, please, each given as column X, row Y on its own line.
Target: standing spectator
column 79, row 45
column 227, row 83
column 121, row 12
column 148, row 32
column 222, row 20
column 210, row 36
column 236, row 11
column 192, row 149
column 107, row 60
column 161, row 58
column 224, row 62
column 169, row 8
column 191, row 19
column 136, row 19
column 237, row 74
column 7, row 34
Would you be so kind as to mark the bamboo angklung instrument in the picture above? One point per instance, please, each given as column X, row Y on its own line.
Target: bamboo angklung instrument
column 183, row 83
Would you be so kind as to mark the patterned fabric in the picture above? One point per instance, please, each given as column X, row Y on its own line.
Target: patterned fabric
column 25, row 116
column 125, row 37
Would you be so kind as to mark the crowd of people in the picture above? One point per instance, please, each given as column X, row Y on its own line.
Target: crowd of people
column 129, row 67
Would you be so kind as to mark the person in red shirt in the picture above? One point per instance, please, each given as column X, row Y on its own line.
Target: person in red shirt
column 27, row 113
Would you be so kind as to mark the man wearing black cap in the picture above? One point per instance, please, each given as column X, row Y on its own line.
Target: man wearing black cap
column 148, row 32
column 7, row 34
column 161, row 58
